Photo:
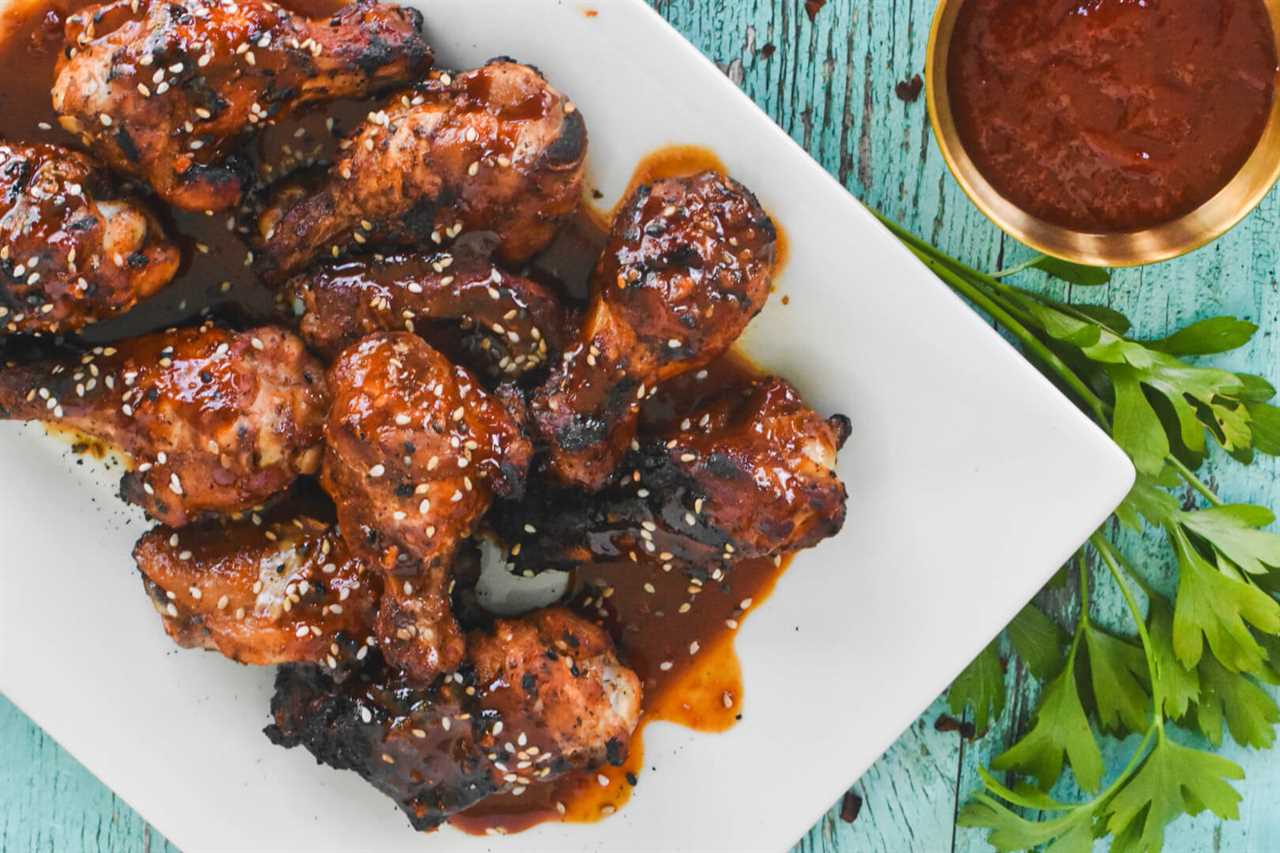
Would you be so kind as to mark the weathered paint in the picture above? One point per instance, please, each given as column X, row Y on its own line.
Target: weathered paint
column 830, row 83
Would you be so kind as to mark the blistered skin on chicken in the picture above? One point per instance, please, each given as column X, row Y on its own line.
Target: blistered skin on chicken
column 415, row 450
column 284, row 589
column 544, row 695
column 556, row 681
column 507, row 319
column 214, row 421
column 496, row 149
column 749, row 474
column 687, row 266
column 72, row 251
column 164, row 89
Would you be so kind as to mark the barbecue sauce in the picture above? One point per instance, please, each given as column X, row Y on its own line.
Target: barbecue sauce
column 1111, row 116
column 686, row 661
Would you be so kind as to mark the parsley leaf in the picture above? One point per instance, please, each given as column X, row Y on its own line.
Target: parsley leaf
column 1074, row 273
column 1177, row 686
column 1071, row 832
column 980, row 686
column 1038, row 641
column 1174, row 780
column 1061, row 731
column 1136, row 427
column 1215, row 606
column 1148, row 500
column 1118, row 673
column 1249, row 711
column 1206, row 337
column 1232, row 530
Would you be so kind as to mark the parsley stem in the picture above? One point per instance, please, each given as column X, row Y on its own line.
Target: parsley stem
column 993, row 297
column 1082, row 569
column 1103, row 547
column 1192, row 480
column 1017, row 268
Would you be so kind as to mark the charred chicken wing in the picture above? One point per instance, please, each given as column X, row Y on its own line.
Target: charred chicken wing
column 214, row 421
column 163, row 89
column 507, row 319
column 72, row 250
column 496, row 149
column 545, row 695
column 749, row 474
column 687, row 265
column 285, row 589
column 415, row 450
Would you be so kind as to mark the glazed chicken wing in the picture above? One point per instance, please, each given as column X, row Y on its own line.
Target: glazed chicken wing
column 284, row 589
column 415, row 450
column 495, row 149
column 545, row 695
column 214, row 421
column 687, row 265
column 556, row 681
column 72, row 250
column 749, row 474
column 507, row 319
column 164, row 89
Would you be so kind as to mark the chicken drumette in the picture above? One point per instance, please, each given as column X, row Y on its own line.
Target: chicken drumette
column 545, row 694
column 214, row 421
column 687, row 265
column 280, row 589
column 751, row 473
column 163, row 89
column 496, row 149
column 72, row 250
column 415, row 450
column 507, row 320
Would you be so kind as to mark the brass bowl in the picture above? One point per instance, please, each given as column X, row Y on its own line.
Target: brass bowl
column 1206, row 223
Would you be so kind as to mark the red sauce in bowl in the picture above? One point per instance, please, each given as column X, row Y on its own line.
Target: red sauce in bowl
column 1110, row 115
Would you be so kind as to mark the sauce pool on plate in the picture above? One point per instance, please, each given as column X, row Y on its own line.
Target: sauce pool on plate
column 683, row 654
column 1110, row 116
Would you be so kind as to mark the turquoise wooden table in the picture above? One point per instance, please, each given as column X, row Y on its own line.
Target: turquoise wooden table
column 828, row 73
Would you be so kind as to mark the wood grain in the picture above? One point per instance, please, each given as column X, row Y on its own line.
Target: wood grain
column 829, row 82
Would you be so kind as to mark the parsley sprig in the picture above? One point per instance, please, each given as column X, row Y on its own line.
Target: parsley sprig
column 1194, row 659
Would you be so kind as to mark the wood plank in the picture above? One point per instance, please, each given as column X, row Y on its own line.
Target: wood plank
column 48, row 801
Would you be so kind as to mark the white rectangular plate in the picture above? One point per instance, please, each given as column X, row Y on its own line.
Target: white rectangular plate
column 971, row 480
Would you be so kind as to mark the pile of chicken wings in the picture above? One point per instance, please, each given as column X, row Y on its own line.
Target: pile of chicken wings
column 314, row 479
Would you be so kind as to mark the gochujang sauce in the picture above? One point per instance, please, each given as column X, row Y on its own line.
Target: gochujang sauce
column 1110, row 116
column 678, row 637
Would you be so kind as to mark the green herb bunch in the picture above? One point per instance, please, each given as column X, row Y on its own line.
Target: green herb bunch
column 1193, row 660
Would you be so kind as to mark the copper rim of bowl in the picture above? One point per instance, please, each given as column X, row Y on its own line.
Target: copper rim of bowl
column 1204, row 224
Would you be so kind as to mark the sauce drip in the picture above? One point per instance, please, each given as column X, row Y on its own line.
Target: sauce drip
column 1111, row 115
column 701, row 689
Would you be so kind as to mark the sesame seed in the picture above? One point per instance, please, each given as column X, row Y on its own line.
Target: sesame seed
column 105, row 119
column 603, row 780
column 377, row 470
column 693, row 647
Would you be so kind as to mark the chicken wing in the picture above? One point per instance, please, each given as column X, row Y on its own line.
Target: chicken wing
column 214, row 421
column 496, row 149
column 164, row 89
column 545, row 695
column 280, row 589
column 507, row 319
column 751, row 473
column 555, row 680
column 415, row 450
column 687, row 265
column 72, row 250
